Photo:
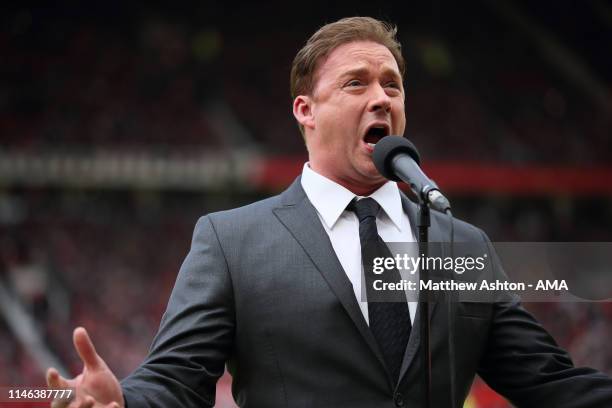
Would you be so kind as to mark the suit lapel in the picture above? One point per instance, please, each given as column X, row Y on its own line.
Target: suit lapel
column 299, row 216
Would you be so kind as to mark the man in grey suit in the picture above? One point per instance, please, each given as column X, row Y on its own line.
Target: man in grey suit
column 273, row 289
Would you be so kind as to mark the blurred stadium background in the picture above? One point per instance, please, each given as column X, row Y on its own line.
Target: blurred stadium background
column 121, row 124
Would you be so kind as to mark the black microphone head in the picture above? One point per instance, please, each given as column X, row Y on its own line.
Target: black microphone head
column 386, row 149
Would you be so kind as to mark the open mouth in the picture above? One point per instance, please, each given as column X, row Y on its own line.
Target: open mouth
column 375, row 133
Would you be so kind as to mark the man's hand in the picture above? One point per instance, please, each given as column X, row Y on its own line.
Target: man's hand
column 95, row 387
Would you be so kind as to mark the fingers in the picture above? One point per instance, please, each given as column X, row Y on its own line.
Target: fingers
column 88, row 402
column 55, row 380
column 60, row 403
column 85, row 348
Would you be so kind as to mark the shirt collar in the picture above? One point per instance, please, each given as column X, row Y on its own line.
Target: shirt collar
column 330, row 198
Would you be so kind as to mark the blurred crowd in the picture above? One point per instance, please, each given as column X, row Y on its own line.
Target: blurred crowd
column 141, row 78
column 91, row 86
column 102, row 266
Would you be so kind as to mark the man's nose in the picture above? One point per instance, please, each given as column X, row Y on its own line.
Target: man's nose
column 379, row 100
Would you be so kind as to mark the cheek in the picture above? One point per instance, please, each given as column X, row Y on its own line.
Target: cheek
column 330, row 118
column 402, row 126
column 400, row 119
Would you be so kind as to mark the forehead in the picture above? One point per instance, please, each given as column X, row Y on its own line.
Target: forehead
column 357, row 54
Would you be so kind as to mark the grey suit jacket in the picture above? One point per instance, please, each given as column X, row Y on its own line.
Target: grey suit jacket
column 263, row 291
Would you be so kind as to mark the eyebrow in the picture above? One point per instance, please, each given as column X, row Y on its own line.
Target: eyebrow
column 355, row 71
column 360, row 71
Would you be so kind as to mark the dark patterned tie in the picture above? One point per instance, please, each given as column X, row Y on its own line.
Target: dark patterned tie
column 389, row 319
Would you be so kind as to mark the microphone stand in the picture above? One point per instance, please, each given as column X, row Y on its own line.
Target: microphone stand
column 397, row 159
column 423, row 225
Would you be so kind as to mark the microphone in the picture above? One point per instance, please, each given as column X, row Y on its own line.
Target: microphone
column 396, row 158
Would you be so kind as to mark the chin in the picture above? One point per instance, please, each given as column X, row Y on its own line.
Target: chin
column 373, row 177
column 370, row 171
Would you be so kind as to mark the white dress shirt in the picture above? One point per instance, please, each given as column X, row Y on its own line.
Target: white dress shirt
column 330, row 199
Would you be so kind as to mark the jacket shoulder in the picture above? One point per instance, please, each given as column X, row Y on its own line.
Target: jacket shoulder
column 258, row 211
column 463, row 231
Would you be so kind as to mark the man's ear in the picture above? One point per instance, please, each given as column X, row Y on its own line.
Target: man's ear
column 302, row 110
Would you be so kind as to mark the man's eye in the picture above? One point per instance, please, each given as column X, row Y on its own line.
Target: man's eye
column 353, row 82
column 393, row 85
